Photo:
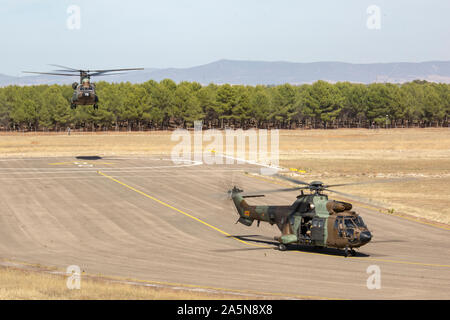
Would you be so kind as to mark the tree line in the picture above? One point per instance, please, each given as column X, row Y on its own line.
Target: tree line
column 167, row 105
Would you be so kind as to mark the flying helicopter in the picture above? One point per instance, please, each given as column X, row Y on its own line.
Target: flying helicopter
column 312, row 220
column 84, row 92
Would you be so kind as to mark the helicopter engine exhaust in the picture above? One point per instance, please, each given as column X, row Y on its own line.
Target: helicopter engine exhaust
column 338, row 206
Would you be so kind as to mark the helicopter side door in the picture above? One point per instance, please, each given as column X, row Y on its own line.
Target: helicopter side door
column 339, row 238
column 318, row 230
column 339, row 225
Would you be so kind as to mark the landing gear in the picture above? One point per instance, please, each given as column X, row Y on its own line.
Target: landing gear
column 282, row 247
column 349, row 251
column 95, row 106
column 73, row 106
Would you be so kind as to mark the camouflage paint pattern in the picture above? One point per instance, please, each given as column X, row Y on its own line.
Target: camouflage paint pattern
column 330, row 223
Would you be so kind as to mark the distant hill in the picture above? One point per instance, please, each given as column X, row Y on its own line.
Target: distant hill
column 267, row 73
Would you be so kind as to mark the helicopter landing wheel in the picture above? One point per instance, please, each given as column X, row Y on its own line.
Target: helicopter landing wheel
column 95, row 106
column 352, row 252
column 282, row 247
column 346, row 252
column 73, row 106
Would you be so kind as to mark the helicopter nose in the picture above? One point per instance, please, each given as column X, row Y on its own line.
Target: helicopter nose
column 365, row 236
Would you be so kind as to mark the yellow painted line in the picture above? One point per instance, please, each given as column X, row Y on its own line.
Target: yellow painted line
column 379, row 260
column 405, row 262
column 297, row 170
column 256, row 245
column 180, row 211
column 60, row 163
column 361, row 204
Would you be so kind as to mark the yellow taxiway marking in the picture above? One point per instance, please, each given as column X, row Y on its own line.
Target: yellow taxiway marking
column 297, row 170
column 180, row 211
column 361, row 204
column 379, row 260
column 256, row 245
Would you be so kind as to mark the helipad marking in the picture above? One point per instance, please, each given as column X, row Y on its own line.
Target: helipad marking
column 256, row 245
column 184, row 163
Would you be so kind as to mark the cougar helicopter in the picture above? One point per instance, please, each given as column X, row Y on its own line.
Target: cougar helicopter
column 312, row 220
column 84, row 92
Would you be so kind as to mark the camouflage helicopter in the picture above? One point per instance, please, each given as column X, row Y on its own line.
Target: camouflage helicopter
column 84, row 92
column 312, row 220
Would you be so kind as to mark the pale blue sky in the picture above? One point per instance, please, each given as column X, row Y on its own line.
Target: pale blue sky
column 176, row 33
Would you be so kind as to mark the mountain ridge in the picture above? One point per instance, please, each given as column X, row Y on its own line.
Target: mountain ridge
column 247, row 72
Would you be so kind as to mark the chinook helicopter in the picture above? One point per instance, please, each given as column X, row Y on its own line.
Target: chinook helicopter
column 84, row 92
column 312, row 220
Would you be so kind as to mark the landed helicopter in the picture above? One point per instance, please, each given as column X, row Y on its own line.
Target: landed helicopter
column 312, row 220
column 84, row 92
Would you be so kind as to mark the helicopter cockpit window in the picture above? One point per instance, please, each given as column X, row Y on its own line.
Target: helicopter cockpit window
column 359, row 222
column 349, row 227
column 349, row 223
column 349, row 233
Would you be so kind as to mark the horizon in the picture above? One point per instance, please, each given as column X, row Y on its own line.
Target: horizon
column 21, row 75
column 180, row 34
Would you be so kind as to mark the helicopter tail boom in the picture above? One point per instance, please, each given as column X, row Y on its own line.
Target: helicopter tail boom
column 248, row 213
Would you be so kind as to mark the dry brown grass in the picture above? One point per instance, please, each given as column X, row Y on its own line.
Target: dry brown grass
column 16, row 284
column 341, row 156
column 31, row 145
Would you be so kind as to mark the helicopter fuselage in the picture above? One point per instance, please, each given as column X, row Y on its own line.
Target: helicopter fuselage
column 311, row 220
column 84, row 95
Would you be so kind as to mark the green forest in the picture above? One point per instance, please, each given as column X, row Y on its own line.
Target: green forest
column 167, row 105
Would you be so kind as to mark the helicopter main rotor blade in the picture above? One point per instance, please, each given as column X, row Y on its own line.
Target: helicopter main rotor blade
column 113, row 70
column 274, row 191
column 368, row 182
column 64, row 70
column 53, row 74
column 291, row 179
column 64, row 67
column 355, row 197
column 101, row 74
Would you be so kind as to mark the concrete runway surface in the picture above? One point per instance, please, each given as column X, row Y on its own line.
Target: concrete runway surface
column 147, row 219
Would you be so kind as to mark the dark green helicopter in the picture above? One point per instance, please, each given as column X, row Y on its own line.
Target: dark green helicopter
column 84, row 92
column 312, row 220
